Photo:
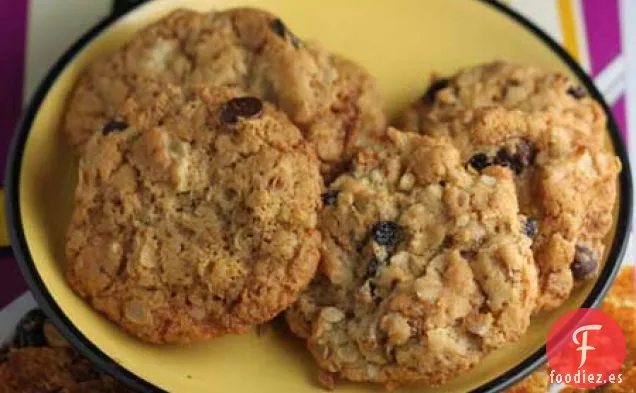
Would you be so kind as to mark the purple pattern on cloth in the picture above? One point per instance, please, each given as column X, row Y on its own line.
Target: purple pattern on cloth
column 620, row 115
column 602, row 24
column 13, row 25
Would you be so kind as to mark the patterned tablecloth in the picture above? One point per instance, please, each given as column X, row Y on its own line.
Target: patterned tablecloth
column 35, row 32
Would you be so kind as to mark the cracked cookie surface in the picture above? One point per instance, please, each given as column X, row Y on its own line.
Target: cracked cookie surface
column 194, row 216
column 566, row 184
column 334, row 101
column 507, row 85
column 425, row 267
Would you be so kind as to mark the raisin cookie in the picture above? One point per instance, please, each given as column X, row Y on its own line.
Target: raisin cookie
column 332, row 100
column 511, row 86
column 39, row 360
column 194, row 216
column 425, row 267
column 566, row 184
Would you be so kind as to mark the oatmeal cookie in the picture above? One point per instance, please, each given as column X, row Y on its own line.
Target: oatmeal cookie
column 39, row 360
column 425, row 267
column 194, row 216
column 511, row 86
column 331, row 99
column 566, row 184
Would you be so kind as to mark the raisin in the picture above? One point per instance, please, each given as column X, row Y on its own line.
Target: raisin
column 585, row 262
column 373, row 289
column 479, row 161
column 114, row 125
column 279, row 28
column 283, row 32
column 436, row 86
column 531, row 227
column 577, row 92
column 361, row 245
column 386, row 233
column 330, row 197
column 468, row 255
column 242, row 107
column 505, row 158
column 526, row 153
column 522, row 157
column 447, row 242
column 30, row 330
column 372, row 268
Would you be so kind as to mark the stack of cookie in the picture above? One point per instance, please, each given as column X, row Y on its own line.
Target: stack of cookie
column 553, row 137
column 230, row 171
column 202, row 146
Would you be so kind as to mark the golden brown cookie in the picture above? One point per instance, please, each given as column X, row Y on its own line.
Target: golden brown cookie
column 551, row 133
column 566, row 184
column 425, row 267
column 39, row 360
column 194, row 216
column 507, row 85
column 332, row 100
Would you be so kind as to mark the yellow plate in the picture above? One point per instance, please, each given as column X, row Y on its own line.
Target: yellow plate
column 401, row 42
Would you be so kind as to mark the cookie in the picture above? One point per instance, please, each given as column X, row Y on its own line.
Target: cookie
column 39, row 360
column 537, row 382
column 425, row 267
column 194, row 216
column 334, row 101
column 45, row 369
column 620, row 304
column 566, row 184
column 551, row 133
column 508, row 85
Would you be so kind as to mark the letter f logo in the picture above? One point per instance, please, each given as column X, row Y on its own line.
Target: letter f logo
column 583, row 344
